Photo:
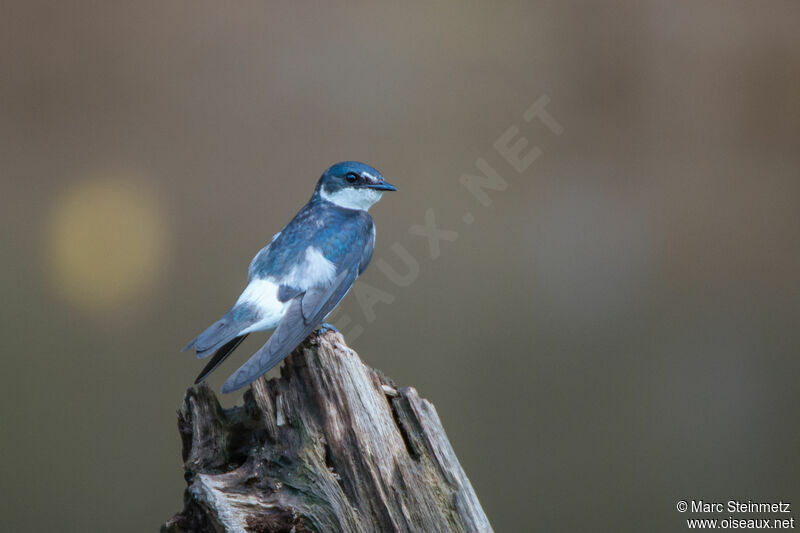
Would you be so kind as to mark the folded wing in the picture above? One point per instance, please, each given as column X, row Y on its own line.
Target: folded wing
column 305, row 312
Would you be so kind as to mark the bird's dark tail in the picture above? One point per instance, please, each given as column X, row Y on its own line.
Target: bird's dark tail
column 223, row 331
column 224, row 351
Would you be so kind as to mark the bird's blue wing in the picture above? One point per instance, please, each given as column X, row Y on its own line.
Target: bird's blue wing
column 305, row 313
column 366, row 255
column 336, row 232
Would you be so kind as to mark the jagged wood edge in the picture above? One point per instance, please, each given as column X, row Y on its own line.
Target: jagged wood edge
column 331, row 445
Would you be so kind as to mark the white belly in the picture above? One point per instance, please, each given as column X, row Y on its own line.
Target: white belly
column 263, row 294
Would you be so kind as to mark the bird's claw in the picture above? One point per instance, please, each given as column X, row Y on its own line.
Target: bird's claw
column 326, row 327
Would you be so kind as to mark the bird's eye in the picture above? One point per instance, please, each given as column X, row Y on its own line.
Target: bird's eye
column 351, row 177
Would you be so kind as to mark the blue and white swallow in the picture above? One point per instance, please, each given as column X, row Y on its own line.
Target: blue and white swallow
column 297, row 279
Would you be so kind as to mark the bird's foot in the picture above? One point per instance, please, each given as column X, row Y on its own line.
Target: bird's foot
column 326, row 327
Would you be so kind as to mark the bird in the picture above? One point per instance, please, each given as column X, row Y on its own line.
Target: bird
column 301, row 275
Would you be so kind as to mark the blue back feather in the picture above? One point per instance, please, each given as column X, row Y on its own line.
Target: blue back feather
column 340, row 234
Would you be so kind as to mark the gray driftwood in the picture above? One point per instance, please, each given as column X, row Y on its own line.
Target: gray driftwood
column 331, row 445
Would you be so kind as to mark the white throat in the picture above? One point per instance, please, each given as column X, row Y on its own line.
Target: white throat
column 351, row 198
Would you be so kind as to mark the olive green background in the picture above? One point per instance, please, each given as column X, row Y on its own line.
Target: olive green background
column 616, row 331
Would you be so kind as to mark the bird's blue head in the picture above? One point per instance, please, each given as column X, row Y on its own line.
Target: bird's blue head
column 352, row 185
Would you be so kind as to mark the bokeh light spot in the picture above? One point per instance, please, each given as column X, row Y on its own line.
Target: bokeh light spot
column 107, row 242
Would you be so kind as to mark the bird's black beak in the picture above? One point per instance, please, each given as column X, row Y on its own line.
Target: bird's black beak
column 382, row 186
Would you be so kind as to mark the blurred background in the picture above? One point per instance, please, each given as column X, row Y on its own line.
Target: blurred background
column 618, row 330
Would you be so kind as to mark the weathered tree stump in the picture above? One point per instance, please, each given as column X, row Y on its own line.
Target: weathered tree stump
column 331, row 445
